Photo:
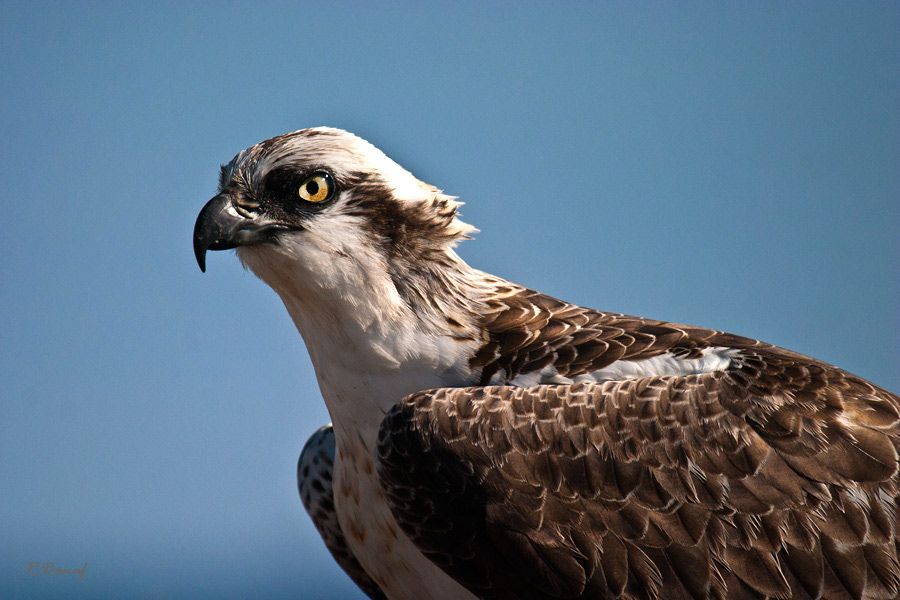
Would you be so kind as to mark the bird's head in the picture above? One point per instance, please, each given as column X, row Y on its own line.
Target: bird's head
column 321, row 209
column 328, row 187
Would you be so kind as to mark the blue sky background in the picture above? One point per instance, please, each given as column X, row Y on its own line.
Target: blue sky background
column 732, row 165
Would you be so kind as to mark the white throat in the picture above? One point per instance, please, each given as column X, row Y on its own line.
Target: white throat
column 368, row 347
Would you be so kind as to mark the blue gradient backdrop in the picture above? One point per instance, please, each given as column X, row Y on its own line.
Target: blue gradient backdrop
column 734, row 165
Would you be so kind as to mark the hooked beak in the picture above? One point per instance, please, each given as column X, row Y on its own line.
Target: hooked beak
column 220, row 227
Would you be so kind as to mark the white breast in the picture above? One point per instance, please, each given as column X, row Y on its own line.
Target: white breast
column 384, row 551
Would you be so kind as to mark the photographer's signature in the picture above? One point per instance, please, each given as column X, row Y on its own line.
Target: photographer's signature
column 48, row 568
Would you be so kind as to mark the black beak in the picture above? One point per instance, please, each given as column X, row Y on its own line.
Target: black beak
column 220, row 227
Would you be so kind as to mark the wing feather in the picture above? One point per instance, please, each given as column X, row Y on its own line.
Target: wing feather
column 718, row 485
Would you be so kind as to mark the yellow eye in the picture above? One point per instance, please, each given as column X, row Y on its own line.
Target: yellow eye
column 317, row 188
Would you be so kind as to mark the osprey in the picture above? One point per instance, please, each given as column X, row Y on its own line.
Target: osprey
column 492, row 442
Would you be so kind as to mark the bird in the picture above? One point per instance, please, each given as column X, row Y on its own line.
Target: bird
column 490, row 441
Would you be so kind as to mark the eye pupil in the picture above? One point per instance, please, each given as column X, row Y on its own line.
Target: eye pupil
column 317, row 188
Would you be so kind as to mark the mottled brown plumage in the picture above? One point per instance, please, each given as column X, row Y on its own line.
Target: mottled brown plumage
column 776, row 478
column 527, row 331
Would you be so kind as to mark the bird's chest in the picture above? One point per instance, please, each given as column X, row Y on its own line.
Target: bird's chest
column 384, row 551
column 358, row 395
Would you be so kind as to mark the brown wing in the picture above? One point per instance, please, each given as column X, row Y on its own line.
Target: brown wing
column 526, row 331
column 774, row 479
column 314, row 482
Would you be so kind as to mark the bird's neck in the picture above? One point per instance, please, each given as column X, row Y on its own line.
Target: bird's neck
column 377, row 331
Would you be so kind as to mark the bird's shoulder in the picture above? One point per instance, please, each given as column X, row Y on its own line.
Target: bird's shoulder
column 525, row 331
